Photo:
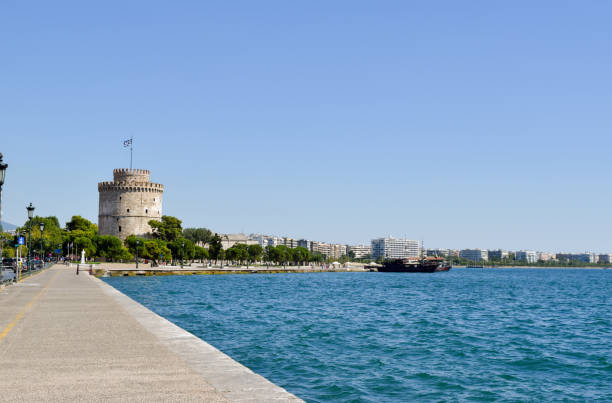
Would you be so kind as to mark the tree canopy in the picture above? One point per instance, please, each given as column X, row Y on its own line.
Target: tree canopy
column 198, row 235
column 168, row 229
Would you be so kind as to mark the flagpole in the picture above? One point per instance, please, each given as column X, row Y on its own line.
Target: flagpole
column 131, row 145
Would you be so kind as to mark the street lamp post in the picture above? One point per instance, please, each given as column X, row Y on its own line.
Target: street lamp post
column 183, row 255
column 3, row 167
column 42, row 249
column 137, row 246
column 30, row 209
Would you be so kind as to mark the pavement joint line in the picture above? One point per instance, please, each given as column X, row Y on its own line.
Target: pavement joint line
column 10, row 326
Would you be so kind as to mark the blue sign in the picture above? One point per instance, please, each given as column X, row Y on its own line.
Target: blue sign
column 21, row 240
column 58, row 251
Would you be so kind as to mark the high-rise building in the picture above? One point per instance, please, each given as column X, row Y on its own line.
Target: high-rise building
column 529, row 256
column 498, row 254
column 605, row 258
column 475, row 255
column 360, row 251
column 394, row 248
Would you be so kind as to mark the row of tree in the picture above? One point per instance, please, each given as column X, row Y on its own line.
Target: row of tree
column 168, row 241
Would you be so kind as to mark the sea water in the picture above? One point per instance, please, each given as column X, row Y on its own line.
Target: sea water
column 467, row 334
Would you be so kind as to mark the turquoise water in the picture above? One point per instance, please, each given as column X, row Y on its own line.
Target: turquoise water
column 469, row 334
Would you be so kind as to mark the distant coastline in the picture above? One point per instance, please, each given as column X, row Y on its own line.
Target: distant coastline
column 541, row 267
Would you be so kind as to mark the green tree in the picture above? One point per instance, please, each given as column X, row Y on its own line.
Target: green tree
column 301, row 255
column 168, row 229
column 282, row 254
column 111, row 248
column 136, row 246
column 255, row 252
column 78, row 223
column 176, row 247
column 156, row 250
column 84, row 243
column 198, row 235
column 215, row 247
column 201, row 253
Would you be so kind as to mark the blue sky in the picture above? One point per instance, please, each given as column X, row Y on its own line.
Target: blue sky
column 466, row 124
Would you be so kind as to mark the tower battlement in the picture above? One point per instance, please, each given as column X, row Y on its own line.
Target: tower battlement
column 128, row 203
column 131, row 175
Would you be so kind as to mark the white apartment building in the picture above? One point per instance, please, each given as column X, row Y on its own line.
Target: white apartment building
column 360, row 251
column 394, row 248
column 546, row 256
column 475, row 255
column 529, row 256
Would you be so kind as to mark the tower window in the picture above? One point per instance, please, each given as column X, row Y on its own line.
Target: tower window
column 119, row 197
column 128, row 210
column 120, row 228
column 146, row 211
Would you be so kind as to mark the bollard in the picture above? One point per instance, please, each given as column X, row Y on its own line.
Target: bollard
column 77, row 269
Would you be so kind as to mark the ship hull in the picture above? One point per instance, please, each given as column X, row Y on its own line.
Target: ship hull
column 399, row 266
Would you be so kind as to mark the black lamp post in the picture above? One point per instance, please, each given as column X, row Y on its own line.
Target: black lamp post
column 42, row 249
column 30, row 209
column 183, row 255
column 3, row 167
column 137, row 246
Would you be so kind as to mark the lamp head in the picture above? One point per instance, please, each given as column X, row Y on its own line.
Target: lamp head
column 42, row 226
column 3, row 167
column 30, row 209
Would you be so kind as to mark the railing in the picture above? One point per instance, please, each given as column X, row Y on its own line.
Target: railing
column 9, row 274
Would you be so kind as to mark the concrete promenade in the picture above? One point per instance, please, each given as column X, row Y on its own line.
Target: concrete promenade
column 74, row 338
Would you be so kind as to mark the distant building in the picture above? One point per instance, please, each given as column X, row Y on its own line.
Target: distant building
column 321, row 247
column 437, row 252
column 545, row 256
column 578, row 257
column 305, row 243
column 360, row 251
column 529, row 256
column 393, row 248
column 605, row 258
column 498, row 254
column 475, row 255
column 229, row 240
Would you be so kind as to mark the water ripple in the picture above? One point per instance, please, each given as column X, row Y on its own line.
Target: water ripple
column 477, row 335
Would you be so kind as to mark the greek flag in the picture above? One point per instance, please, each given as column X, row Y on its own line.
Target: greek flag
column 127, row 143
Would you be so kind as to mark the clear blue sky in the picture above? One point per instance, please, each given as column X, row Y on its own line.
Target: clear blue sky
column 466, row 124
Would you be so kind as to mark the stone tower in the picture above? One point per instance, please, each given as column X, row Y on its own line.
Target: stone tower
column 128, row 203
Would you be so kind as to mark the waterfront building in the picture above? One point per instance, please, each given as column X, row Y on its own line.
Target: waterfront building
column 360, row 251
column 529, row 256
column 229, row 240
column 290, row 242
column 437, row 252
column 305, row 243
column 578, row 257
column 498, row 254
column 394, row 248
column 475, row 255
column 321, row 247
column 337, row 250
column 128, row 203
column 546, row 256
column 605, row 258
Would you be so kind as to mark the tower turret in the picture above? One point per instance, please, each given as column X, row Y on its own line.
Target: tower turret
column 128, row 203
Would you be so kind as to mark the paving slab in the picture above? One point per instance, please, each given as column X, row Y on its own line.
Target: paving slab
column 65, row 337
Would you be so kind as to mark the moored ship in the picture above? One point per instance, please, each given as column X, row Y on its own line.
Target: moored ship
column 415, row 265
